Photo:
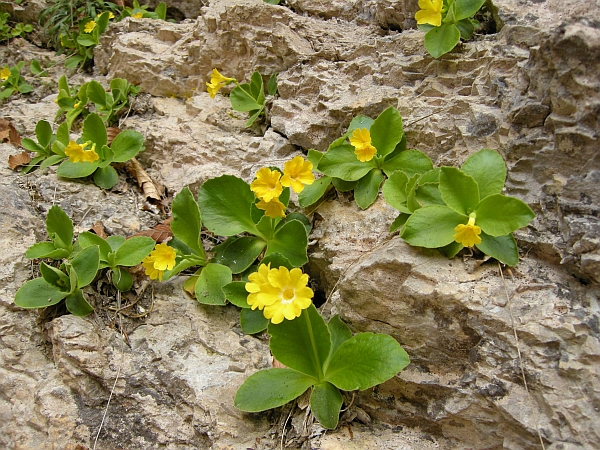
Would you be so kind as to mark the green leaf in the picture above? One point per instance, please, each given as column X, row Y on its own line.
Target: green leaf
column 459, row 191
column 77, row 305
column 225, row 203
column 343, row 186
column 366, row 360
column 450, row 250
column 43, row 133
column 271, row 388
column 236, row 293
column 341, row 162
column 54, row 276
column 133, row 250
column 291, row 240
column 312, row 193
column 115, row 242
column 399, row 222
column 272, row 84
column 242, row 99
column 85, row 263
column 94, row 130
column 253, row 117
column 503, row 248
column 73, row 61
column 257, row 88
column 69, row 169
column 467, row 8
column 314, row 156
column 394, row 191
column 209, row 287
column 105, row 177
column 242, row 252
column 303, row 343
column 499, row 214
column 253, row 321
column 325, row 403
column 122, row 279
column 466, row 28
column 51, row 160
column 96, row 93
column 488, row 170
column 187, row 223
column 440, row 40
column 36, row 69
column 432, row 226
column 32, row 146
column 161, row 11
column 386, row 131
column 87, row 39
column 428, row 194
column 38, row 293
column 6, row 93
column 46, row 250
column 277, row 260
column 340, row 333
column 409, row 162
column 367, row 189
column 25, row 88
column 126, row 145
column 60, row 228
column 359, row 122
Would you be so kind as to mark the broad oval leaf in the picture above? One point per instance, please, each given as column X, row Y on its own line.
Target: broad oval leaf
column 467, row 8
column 253, row 321
column 312, row 193
column 340, row 333
column 38, row 293
column 187, row 224
column 105, row 177
column 459, row 191
column 366, row 360
column 303, row 343
column 225, row 204
column 96, row 93
column 440, row 40
column 77, row 304
column 133, row 250
column 432, row 226
column 488, row 170
column 46, row 250
column 85, row 264
column 386, row 131
column 242, row 99
column 499, row 214
column 87, row 238
column 242, row 252
column 341, row 162
column 209, row 287
column 367, row 189
column 59, row 227
column 408, row 161
column 325, row 404
column 94, row 130
column 291, row 240
column 69, row 169
column 54, row 276
column 126, row 145
column 236, row 293
column 271, row 388
column 503, row 248
column 43, row 133
column 394, row 191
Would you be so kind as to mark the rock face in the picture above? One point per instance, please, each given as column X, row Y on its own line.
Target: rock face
column 531, row 91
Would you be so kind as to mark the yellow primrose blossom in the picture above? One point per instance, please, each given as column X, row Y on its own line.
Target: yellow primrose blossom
column 160, row 259
column 138, row 15
column 273, row 209
column 280, row 293
column 468, row 235
column 89, row 27
column 4, row 73
column 110, row 15
column 266, row 186
column 77, row 152
column 431, row 12
column 361, row 141
column 297, row 173
column 217, row 81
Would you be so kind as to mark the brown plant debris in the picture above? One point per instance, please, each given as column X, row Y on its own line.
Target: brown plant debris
column 16, row 161
column 152, row 190
column 8, row 133
column 160, row 233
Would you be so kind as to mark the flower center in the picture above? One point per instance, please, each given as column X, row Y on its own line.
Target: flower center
column 288, row 295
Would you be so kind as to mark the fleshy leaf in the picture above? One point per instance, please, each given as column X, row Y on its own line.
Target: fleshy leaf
column 459, row 191
column 432, row 226
column 488, row 170
column 77, row 304
column 341, row 162
column 499, row 214
column 271, row 388
column 187, row 224
column 467, row 8
column 503, row 248
column 85, row 263
column 126, row 145
column 408, row 161
column 46, row 250
column 303, row 343
column 367, row 189
column 105, row 177
column 399, row 222
column 94, row 130
column 253, row 321
column 133, row 250
column 312, row 193
column 69, row 169
column 242, row 252
column 291, row 241
column 236, row 293
column 440, row 40
column 366, row 360
column 59, row 227
column 340, row 333
column 209, row 287
column 54, row 276
column 386, row 131
column 394, row 191
column 38, row 293
column 325, row 404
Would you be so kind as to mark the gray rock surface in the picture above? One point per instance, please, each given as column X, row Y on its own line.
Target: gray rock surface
column 531, row 91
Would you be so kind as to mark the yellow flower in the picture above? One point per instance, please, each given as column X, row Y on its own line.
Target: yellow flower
column 138, row 15
column 273, row 209
column 4, row 73
column 77, row 105
column 110, row 15
column 280, row 293
column 468, row 235
column 266, row 186
column 217, row 81
column 297, row 173
column 431, row 12
column 160, row 259
column 89, row 27
column 361, row 141
column 77, row 153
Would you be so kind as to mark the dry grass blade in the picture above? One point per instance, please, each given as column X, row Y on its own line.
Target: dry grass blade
column 160, row 233
column 15, row 161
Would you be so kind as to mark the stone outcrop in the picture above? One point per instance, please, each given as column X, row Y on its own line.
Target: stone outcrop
column 531, row 91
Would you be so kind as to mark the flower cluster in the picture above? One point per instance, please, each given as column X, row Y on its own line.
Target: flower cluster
column 217, row 81
column 269, row 184
column 77, row 152
column 468, row 235
column 279, row 293
column 89, row 27
column 160, row 259
column 431, row 12
column 361, row 141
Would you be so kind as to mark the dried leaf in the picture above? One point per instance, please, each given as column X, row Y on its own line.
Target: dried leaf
column 19, row 160
column 99, row 229
column 160, row 233
column 151, row 189
column 8, row 133
column 112, row 134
